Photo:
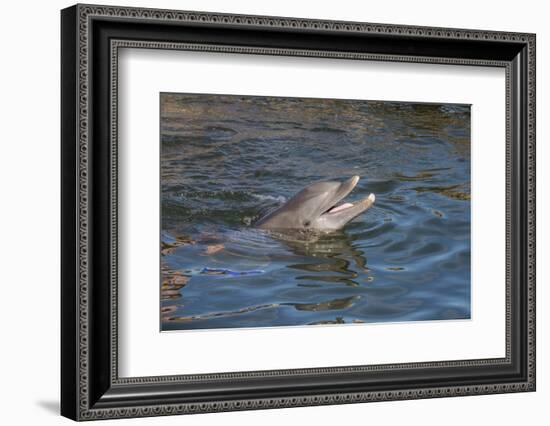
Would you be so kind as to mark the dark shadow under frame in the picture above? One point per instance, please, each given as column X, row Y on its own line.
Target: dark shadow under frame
column 91, row 37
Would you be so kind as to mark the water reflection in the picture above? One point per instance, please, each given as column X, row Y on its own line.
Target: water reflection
column 330, row 256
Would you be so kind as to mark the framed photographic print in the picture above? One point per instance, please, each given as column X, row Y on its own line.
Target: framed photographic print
column 263, row 212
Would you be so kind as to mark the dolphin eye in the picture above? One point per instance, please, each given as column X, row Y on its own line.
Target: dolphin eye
column 307, row 223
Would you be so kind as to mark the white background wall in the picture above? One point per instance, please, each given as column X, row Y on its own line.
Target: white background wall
column 29, row 212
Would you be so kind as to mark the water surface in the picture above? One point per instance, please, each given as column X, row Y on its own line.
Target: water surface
column 227, row 160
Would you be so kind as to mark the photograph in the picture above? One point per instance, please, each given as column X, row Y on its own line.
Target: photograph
column 264, row 208
column 288, row 211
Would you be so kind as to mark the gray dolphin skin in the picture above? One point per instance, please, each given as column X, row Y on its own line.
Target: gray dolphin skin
column 315, row 207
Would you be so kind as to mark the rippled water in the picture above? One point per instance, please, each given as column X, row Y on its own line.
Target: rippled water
column 227, row 160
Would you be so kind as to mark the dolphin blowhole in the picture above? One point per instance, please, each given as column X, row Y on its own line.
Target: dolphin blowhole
column 318, row 206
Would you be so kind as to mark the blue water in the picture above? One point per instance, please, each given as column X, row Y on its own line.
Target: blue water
column 227, row 160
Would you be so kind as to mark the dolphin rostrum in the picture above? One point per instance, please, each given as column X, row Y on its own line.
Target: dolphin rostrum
column 315, row 207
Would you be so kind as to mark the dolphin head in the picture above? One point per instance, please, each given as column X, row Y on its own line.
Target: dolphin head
column 316, row 207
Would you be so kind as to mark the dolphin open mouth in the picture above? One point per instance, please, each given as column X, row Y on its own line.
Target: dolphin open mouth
column 346, row 206
column 342, row 193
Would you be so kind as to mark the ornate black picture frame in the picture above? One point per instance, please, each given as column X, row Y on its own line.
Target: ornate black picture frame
column 91, row 387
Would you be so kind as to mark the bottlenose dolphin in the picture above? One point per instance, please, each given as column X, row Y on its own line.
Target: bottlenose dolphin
column 314, row 207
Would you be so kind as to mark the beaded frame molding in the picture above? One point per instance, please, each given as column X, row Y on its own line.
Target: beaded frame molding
column 91, row 39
